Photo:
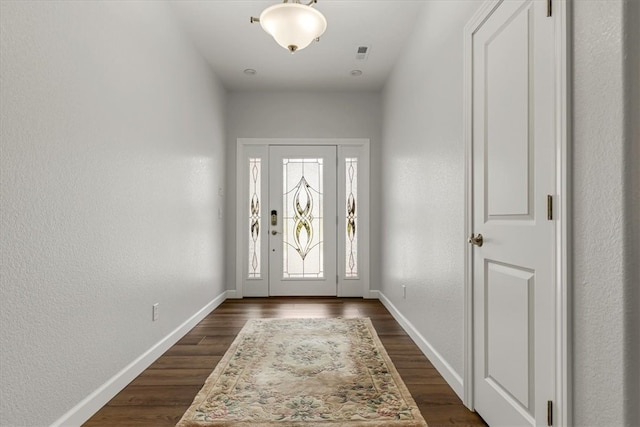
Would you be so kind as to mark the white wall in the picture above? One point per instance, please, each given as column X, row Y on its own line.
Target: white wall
column 423, row 180
column 303, row 115
column 606, row 192
column 112, row 144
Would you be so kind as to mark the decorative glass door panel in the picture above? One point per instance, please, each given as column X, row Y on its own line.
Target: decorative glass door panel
column 303, row 220
column 255, row 174
column 302, row 239
column 351, row 217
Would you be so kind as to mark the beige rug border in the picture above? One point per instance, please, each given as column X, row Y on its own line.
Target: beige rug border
column 418, row 422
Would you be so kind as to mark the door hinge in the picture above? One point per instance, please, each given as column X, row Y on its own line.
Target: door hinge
column 549, row 8
column 550, row 207
column 549, row 413
column 337, row 279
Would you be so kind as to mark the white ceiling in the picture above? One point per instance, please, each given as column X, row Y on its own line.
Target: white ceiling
column 231, row 44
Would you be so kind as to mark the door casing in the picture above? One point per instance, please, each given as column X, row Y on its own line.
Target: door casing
column 347, row 147
column 562, row 12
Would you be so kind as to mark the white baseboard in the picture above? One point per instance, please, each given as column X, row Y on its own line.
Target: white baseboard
column 96, row 400
column 436, row 359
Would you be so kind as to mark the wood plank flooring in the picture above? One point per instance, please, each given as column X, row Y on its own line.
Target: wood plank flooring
column 163, row 392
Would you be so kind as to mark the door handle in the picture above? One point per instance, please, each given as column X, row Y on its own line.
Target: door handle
column 476, row 240
column 274, row 232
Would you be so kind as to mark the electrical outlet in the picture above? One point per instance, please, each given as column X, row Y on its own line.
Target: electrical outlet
column 155, row 311
column 404, row 291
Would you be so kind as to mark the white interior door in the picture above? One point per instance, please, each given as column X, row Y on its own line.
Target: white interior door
column 513, row 172
column 302, row 220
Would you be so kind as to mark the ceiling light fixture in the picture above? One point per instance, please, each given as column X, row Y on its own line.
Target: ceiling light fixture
column 293, row 25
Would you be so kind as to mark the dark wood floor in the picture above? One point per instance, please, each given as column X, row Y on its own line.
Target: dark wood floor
column 163, row 392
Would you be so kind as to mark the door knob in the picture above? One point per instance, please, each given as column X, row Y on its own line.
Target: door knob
column 274, row 232
column 476, row 240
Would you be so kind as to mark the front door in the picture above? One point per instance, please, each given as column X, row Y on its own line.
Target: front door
column 302, row 220
column 513, row 174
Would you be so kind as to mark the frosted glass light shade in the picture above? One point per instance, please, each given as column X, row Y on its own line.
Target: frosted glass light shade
column 292, row 25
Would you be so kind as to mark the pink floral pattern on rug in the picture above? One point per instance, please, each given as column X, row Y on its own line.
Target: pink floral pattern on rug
column 293, row 372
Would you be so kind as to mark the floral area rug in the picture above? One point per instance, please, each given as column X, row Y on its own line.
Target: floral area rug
column 305, row 372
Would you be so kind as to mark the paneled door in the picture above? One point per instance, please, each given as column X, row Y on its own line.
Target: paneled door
column 513, row 175
column 302, row 220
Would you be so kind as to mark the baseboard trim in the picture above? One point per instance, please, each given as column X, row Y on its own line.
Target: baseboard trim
column 84, row 410
column 436, row 359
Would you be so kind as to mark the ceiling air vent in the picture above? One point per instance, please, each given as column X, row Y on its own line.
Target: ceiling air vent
column 363, row 53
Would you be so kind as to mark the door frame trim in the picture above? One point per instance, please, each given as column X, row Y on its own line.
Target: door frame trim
column 563, row 359
column 344, row 143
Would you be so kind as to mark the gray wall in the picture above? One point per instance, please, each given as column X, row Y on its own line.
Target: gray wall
column 632, row 209
column 605, row 221
column 303, row 115
column 423, row 180
column 112, row 152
